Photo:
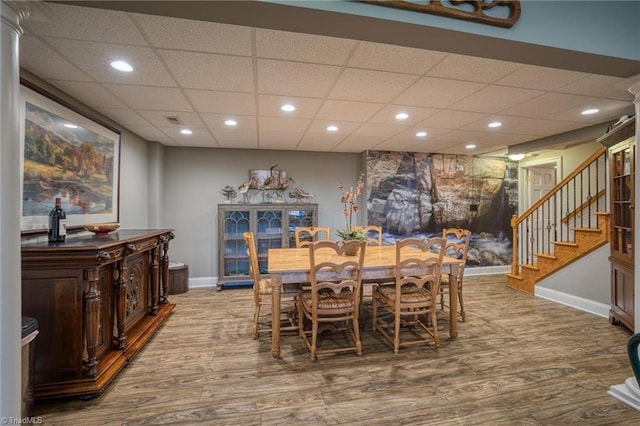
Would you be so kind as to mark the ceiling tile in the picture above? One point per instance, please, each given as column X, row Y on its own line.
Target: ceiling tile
column 209, row 71
column 198, row 36
column 320, row 142
column 94, row 58
column 482, row 125
column 540, row 78
column 85, row 23
column 275, row 139
column 151, row 98
column 358, row 143
column 416, row 114
column 370, row 86
column 216, row 121
column 344, row 128
column 461, row 136
column 610, row 110
column 447, row 119
column 437, row 92
column 601, row 86
column 295, row 79
column 210, row 101
column 547, row 105
column 125, row 116
column 236, row 138
column 495, row 98
column 197, row 138
column 152, row 134
column 305, row 107
column 542, row 127
column 302, row 47
column 347, row 110
column 47, row 63
column 286, row 124
column 400, row 59
column 382, row 130
column 159, row 118
column 469, row 68
column 91, row 94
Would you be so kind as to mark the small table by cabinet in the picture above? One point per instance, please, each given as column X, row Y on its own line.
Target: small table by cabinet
column 98, row 300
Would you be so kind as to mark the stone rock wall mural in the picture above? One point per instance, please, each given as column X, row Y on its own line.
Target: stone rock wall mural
column 419, row 194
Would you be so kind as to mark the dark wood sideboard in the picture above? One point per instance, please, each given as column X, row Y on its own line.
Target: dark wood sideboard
column 97, row 300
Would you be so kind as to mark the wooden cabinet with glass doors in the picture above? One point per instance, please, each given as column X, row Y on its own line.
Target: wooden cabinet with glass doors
column 273, row 226
column 621, row 143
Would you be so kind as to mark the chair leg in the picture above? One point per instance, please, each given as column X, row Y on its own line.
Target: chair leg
column 434, row 324
column 374, row 309
column 396, row 336
column 314, row 340
column 256, row 319
column 356, row 333
column 462, row 313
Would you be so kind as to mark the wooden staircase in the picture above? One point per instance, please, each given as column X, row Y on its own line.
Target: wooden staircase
column 586, row 240
column 578, row 227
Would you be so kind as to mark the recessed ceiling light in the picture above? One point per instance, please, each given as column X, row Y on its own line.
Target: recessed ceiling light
column 230, row 122
column 516, row 157
column 402, row 116
column 470, row 146
column 71, row 126
column 495, row 124
column 590, row 111
column 122, row 66
column 186, row 131
column 288, row 107
column 421, row 134
column 332, row 128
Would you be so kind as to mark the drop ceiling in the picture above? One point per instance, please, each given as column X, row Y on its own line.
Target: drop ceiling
column 203, row 73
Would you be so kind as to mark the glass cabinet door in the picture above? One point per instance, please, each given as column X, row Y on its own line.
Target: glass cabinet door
column 268, row 235
column 234, row 249
column 622, row 161
column 297, row 218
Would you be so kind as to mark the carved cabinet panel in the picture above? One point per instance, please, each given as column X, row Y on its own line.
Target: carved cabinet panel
column 97, row 302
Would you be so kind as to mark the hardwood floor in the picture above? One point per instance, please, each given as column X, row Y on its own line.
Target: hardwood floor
column 517, row 360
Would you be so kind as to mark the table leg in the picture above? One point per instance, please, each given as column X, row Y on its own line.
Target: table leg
column 276, row 285
column 453, row 301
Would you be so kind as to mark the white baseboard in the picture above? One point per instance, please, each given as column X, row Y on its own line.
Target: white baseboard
column 486, row 270
column 203, row 282
column 596, row 308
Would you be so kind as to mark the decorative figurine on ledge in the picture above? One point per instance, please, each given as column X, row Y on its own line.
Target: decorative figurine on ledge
column 230, row 194
column 299, row 194
column 244, row 189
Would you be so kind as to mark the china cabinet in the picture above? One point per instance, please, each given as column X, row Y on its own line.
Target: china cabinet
column 621, row 143
column 98, row 301
column 273, row 226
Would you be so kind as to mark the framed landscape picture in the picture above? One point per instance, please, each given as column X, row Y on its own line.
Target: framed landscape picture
column 66, row 155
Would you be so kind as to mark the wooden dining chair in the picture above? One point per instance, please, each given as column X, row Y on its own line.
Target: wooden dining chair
column 304, row 235
column 373, row 234
column 331, row 303
column 262, row 294
column 457, row 246
column 399, row 308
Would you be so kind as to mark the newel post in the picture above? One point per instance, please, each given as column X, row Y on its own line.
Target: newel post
column 514, row 259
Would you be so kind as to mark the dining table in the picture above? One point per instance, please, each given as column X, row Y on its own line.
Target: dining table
column 292, row 266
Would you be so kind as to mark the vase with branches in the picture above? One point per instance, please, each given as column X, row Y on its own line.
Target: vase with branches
column 349, row 201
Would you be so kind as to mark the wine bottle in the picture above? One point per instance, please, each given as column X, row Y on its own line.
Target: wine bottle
column 57, row 223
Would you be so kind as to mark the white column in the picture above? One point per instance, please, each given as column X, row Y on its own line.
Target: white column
column 11, row 13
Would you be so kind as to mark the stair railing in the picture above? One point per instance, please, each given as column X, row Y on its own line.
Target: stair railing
column 571, row 204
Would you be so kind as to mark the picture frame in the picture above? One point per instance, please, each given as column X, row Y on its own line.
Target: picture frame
column 66, row 154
